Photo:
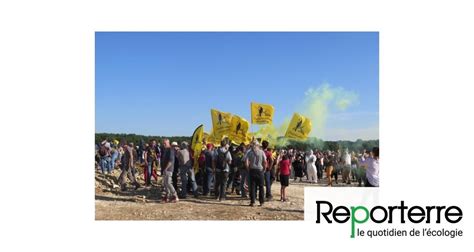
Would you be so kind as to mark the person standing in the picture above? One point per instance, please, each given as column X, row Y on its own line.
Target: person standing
column 104, row 154
column 298, row 167
column 311, row 167
column 221, row 168
column 237, row 161
column 346, row 170
column 372, row 168
column 150, row 160
column 243, row 172
column 329, row 164
column 168, row 160
column 174, row 177
column 319, row 164
column 186, row 171
column 128, row 169
column 285, row 171
column 208, row 168
column 268, row 170
column 140, row 151
column 255, row 161
column 135, row 157
column 113, row 156
column 234, row 170
column 356, row 170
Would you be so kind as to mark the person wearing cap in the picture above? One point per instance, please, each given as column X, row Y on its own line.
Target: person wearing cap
column 221, row 162
column 255, row 161
column 186, row 171
column 167, row 161
column 209, row 154
column 127, row 168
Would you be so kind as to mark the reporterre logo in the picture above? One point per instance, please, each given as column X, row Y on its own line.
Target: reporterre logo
column 380, row 214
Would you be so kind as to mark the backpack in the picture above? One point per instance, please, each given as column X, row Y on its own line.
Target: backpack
column 221, row 163
column 103, row 151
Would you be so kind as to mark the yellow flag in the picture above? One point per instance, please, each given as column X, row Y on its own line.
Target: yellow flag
column 239, row 128
column 196, row 145
column 213, row 139
column 205, row 137
column 248, row 138
column 299, row 127
column 220, row 123
column 197, row 136
column 261, row 113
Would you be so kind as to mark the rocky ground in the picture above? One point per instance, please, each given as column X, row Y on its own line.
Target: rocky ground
column 144, row 203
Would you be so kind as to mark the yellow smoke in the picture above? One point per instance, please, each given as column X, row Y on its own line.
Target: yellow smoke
column 273, row 134
column 319, row 102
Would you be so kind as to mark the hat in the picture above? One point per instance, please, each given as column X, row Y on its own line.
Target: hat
column 209, row 145
column 174, row 144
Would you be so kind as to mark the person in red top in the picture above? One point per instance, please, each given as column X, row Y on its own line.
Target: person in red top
column 285, row 171
column 268, row 170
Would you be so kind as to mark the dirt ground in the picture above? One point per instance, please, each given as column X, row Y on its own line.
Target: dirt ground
column 144, row 204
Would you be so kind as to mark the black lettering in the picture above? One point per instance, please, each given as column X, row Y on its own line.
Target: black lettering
column 344, row 213
column 372, row 217
column 325, row 215
column 457, row 213
column 414, row 214
column 390, row 213
column 438, row 214
column 402, row 211
column 428, row 213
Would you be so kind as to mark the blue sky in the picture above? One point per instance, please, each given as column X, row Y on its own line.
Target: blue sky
column 160, row 83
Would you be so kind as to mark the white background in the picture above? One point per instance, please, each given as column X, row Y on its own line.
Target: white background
column 47, row 111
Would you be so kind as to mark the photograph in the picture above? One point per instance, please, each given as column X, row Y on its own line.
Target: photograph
column 236, row 116
column 231, row 125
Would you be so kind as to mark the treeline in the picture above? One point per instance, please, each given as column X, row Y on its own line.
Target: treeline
column 137, row 139
column 314, row 143
column 310, row 143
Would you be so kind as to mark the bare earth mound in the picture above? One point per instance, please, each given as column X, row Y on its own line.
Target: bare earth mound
column 144, row 204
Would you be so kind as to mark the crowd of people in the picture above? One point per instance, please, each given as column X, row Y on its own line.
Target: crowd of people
column 228, row 168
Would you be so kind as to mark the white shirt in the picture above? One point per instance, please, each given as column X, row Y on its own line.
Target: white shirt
column 310, row 161
column 347, row 158
column 372, row 172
